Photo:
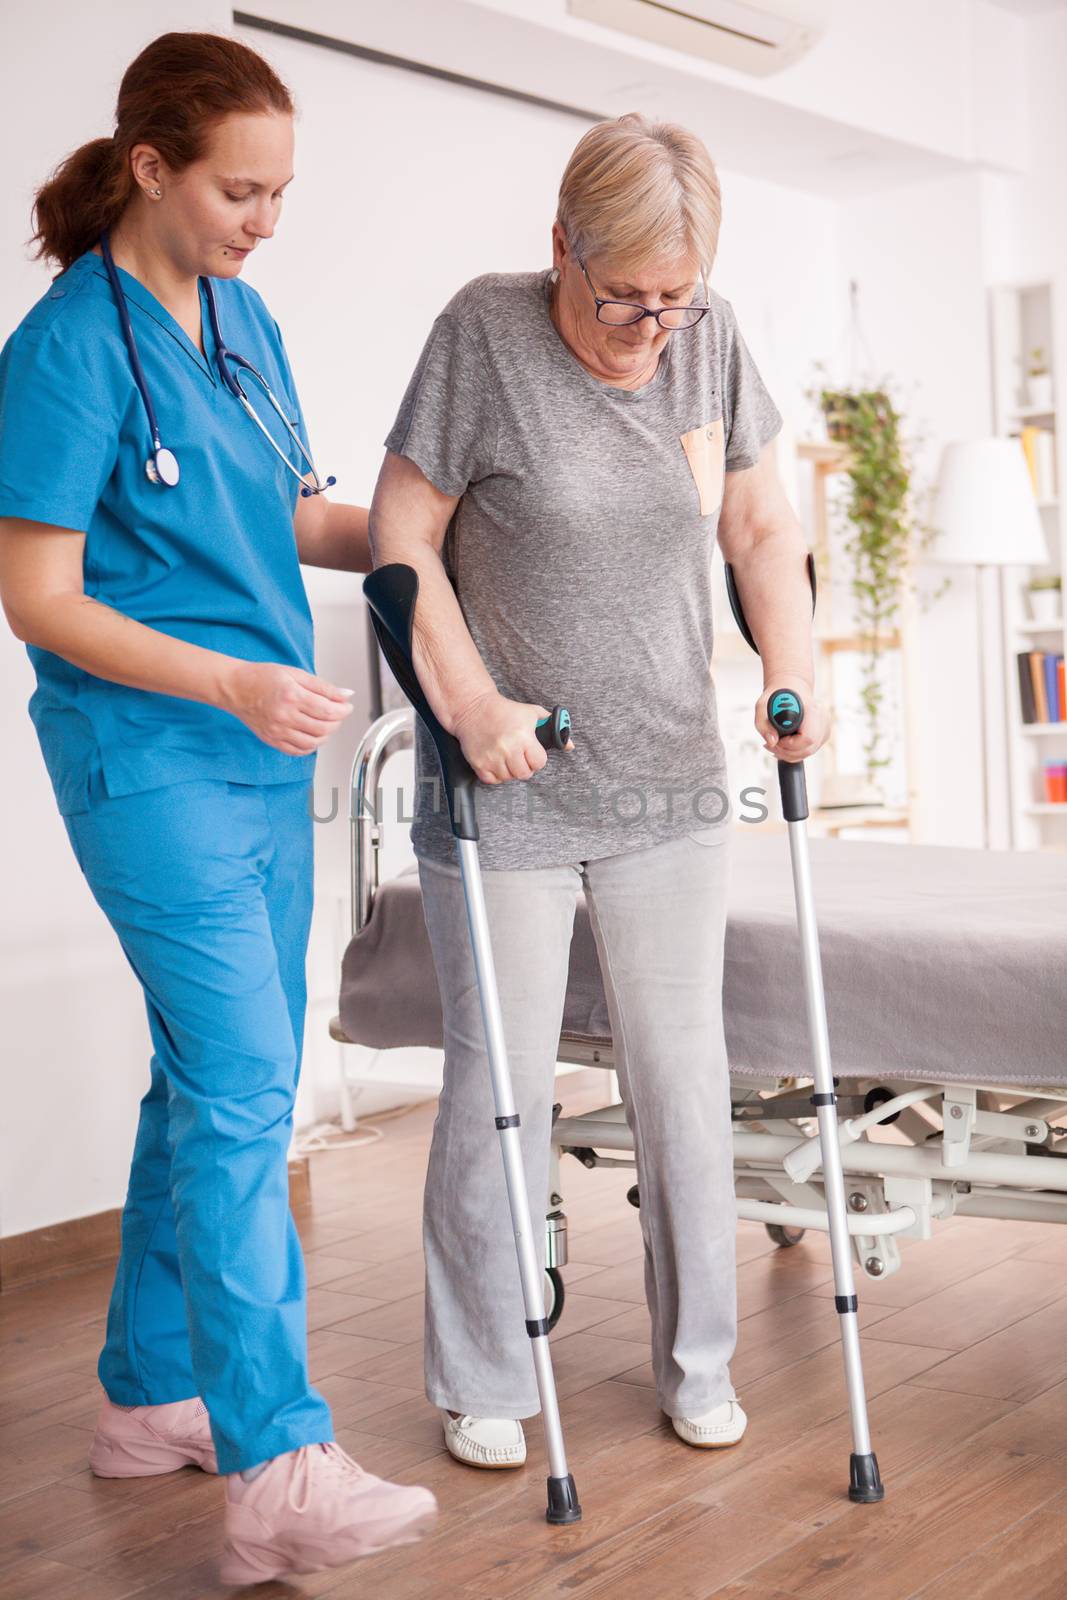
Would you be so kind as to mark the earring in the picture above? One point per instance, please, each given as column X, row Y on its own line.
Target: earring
column 157, row 191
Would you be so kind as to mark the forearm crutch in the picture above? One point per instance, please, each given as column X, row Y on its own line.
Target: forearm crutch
column 391, row 593
column 786, row 711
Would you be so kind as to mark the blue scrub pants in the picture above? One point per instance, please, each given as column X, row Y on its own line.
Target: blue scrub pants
column 208, row 884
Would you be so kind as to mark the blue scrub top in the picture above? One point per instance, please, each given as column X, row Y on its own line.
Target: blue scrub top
column 213, row 560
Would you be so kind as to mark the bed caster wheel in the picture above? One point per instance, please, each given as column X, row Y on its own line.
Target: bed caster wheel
column 784, row 1236
column 634, row 1197
column 553, row 1296
column 879, row 1097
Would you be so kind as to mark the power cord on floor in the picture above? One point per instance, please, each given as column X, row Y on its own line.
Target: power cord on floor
column 331, row 1135
column 326, row 1136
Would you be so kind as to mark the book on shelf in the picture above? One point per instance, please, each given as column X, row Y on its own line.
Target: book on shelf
column 1041, row 686
column 1039, row 448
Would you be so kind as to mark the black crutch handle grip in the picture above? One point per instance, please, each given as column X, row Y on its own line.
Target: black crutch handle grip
column 785, row 710
column 554, row 731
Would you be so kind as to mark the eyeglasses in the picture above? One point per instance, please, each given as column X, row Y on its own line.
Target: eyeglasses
column 621, row 313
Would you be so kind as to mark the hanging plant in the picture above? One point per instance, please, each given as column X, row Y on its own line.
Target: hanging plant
column 884, row 531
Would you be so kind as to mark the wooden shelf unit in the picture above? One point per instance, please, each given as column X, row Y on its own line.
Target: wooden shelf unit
column 825, row 458
column 1023, row 316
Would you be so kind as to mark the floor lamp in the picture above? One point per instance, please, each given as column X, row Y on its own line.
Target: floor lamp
column 986, row 517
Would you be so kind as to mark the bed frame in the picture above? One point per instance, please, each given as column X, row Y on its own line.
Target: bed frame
column 913, row 1154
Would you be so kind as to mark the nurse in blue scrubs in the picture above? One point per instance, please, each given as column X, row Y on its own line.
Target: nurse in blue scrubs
column 151, row 539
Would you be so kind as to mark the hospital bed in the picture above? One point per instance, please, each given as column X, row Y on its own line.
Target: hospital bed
column 946, row 986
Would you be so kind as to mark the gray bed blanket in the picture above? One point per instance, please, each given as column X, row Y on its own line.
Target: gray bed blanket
column 939, row 963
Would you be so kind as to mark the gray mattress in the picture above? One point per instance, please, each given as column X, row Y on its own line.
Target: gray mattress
column 939, row 964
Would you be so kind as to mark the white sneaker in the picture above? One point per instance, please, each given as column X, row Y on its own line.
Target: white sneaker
column 713, row 1430
column 485, row 1441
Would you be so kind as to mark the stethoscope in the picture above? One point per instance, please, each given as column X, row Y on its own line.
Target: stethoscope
column 162, row 465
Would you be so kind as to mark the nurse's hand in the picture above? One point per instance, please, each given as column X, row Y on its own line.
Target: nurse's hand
column 499, row 739
column 286, row 707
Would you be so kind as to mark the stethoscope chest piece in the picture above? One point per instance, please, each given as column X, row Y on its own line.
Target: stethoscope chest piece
column 162, row 467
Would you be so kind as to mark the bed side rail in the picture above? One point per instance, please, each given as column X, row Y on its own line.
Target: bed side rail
column 387, row 735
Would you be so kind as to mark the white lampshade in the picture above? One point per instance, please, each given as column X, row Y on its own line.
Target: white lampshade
column 986, row 513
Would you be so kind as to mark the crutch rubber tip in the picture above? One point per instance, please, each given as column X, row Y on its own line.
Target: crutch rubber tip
column 563, row 1500
column 865, row 1485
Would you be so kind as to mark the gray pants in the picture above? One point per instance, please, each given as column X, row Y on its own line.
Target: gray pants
column 658, row 916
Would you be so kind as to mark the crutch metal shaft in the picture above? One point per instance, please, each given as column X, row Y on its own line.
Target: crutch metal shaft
column 825, row 1101
column 786, row 711
column 507, row 1121
column 391, row 592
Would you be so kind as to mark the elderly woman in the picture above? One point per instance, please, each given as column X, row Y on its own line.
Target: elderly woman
column 568, row 447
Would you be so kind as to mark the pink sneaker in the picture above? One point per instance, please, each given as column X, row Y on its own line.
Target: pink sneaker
column 148, row 1440
column 313, row 1508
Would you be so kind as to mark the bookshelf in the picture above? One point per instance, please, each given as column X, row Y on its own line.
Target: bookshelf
column 1024, row 318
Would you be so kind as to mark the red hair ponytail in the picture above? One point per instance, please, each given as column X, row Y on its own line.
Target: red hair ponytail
column 170, row 97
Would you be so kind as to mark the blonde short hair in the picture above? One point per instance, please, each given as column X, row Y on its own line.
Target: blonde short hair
column 635, row 190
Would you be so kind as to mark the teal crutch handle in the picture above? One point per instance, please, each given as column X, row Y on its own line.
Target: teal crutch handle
column 554, row 730
column 786, row 710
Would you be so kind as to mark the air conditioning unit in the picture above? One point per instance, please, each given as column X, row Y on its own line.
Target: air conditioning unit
column 751, row 38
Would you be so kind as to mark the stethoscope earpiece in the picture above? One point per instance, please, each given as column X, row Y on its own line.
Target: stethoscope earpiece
column 305, row 491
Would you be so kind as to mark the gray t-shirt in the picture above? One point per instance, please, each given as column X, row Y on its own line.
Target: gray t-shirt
column 580, row 552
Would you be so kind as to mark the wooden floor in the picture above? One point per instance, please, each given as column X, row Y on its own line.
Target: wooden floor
column 965, row 1351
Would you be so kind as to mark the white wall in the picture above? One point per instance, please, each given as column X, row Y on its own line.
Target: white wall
column 916, row 252
column 1026, row 234
column 897, row 67
column 939, row 79
column 406, row 187
column 74, row 1045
